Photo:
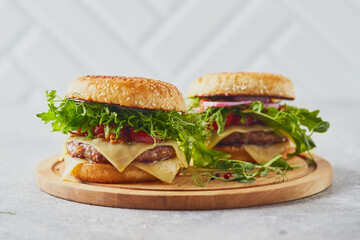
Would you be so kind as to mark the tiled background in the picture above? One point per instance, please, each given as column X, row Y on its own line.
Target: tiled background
column 45, row 44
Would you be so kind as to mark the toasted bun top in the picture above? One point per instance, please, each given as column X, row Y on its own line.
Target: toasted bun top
column 243, row 84
column 133, row 92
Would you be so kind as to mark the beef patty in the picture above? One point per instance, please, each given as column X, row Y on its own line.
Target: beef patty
column 86, row 151
column 254, row 137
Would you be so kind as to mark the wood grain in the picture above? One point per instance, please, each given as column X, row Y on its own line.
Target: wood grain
column 182, row 194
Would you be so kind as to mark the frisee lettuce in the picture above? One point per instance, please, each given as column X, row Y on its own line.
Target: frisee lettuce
column 70, row 115
column 298, row 123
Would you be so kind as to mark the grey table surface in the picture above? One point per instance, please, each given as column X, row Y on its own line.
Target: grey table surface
column 25, row 141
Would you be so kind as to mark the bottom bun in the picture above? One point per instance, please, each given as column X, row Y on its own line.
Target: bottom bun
column 107, row 173
column 236, row 152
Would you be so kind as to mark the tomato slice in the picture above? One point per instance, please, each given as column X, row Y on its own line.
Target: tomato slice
column 203, row 100
column 248, row 121
column 229, row 120
column 99, row 129
column 141, row 136
column 215, row 126
column 282, row 108
column 78, row 132
column 125, row 132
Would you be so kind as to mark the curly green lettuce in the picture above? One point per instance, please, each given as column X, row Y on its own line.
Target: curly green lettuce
column 70, row 115
column 298, row 124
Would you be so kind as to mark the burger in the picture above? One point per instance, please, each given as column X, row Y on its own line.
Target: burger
column 121, row 129
column 247, row 119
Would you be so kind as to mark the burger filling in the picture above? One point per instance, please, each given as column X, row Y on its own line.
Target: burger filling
column 162, row 159
column 247, row 131
column 234, row 127
column 85, row 151
column 127, row 135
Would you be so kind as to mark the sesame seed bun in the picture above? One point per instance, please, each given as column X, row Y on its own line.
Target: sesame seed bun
column 243, row 84
column 133, row 92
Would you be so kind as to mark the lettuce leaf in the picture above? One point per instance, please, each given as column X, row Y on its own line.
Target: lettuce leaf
column 70, row 115
column 296, row 123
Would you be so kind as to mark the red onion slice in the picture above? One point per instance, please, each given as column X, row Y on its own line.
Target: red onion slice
column 224, row 104
column 275, row 105
column 243, row 98
column 229, row 104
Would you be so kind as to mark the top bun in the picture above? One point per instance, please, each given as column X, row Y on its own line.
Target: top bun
column 243, row 84
column 133, row 92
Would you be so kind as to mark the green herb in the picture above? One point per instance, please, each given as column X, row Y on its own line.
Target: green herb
column 204, row 156
column 10, row 213
column 243, row 172
column 192, row 102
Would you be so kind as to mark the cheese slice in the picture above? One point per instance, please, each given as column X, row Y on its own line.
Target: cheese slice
column 121, row 155
column 263, row 154
column 216, row 138
column 163, row 170
column 64, row 152
column 70, row 166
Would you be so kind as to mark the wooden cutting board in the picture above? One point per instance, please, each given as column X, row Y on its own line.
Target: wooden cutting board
column 182, row 194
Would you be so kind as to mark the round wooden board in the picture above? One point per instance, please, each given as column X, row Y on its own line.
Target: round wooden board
column 182, row 194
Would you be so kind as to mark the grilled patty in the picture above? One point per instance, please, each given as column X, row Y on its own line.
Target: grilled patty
column 85, row 151
column 254, row 137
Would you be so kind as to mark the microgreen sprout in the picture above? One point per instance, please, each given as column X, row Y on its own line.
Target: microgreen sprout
column 245, row 172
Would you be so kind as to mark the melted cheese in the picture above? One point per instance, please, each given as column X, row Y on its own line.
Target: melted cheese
column 260, row 154
column 263, row 154
column 163, row 170
column 121, row 155
column 216, row 138
column 71, row 165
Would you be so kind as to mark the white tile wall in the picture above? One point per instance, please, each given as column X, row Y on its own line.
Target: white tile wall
column 46, row 44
